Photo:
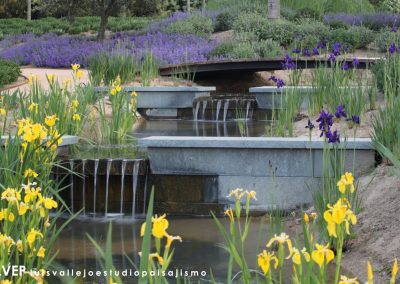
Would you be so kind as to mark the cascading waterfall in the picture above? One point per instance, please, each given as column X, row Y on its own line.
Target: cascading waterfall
column 248, row 109
column 96, row 166
column 123, row 167
column 203, row 116
column 109, row 162
column 135, row 174
column 226, row 107
column 196, row 111
column 71, row 165
column 219, row 102
column 84, row 186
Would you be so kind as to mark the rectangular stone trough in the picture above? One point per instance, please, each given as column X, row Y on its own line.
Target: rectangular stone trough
column 270, row 97
column 165, row 102
column 63, row 149
column 283, row 171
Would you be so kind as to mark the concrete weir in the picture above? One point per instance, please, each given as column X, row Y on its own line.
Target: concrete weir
column 283, row 171
column 165, row 102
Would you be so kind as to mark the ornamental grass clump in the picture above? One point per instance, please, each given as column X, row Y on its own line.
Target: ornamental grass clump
column 114, row 129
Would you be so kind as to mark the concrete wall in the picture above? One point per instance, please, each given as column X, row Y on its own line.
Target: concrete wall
column 282, row 171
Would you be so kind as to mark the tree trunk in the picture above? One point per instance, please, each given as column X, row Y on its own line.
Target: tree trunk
column 103, row 26
column 29, row 10
column 274, row 9
column 203, row 6
column 188, row 6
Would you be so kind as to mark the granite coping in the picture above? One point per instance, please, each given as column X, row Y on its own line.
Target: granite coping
column 274, row 89
column 66, row 140
column 247, row 142
column 161, row 89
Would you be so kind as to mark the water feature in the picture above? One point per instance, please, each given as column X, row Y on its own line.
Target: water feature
column 135, row 173
column 203, row 116
column 71, row 166
column 196, row 110
column 109, row 162
column 123, row 168
column 226, row 106
column 84, row 185
column 96, row 167
column 219, row 103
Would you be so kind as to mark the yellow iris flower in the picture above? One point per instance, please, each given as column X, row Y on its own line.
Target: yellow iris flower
column 159, row 227
column 345, row 280
column 296, row 256
column 281, row 240
column 322, row 254
column 264, row 261
column 50, row 120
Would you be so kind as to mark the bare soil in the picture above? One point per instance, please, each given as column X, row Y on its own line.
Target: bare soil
column 378, row 230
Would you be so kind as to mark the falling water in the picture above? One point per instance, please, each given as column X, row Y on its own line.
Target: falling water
column 248, row 109
column 203, row 116
column 123, row 167
column 109, row 161
column 84, row 186
column 96, row 166
column 71, row 165
column 145, row 194
column 219, row 102
column 134, row 184
column 226, row 106
column 196, row 111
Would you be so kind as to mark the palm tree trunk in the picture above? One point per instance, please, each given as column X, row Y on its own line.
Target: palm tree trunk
column 274, row 9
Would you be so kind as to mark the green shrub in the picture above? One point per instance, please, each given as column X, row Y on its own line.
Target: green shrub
column 197, row 24
column 385, row 38
column 224, row 22
column 310, row 33
column 354, row 37
column 248, row 49
column 249, row 22
column 391, row 6
column 9, row 72
column 279, row 31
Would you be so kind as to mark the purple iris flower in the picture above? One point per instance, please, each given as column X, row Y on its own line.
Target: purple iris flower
column 272, row 78
column 356, row 62
column 315, row 51
column 332, row 57
column 355, row 119
column 321, row 45
column 340, row 112
column 333, row 137
column 392, row 48
column 345, row 66
column 280, row 83
column 296, row 50
column 310, row 126
column 288, row 63
column 336, row 48
column 306, row 52
column 394, row 29
column 325, row 121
